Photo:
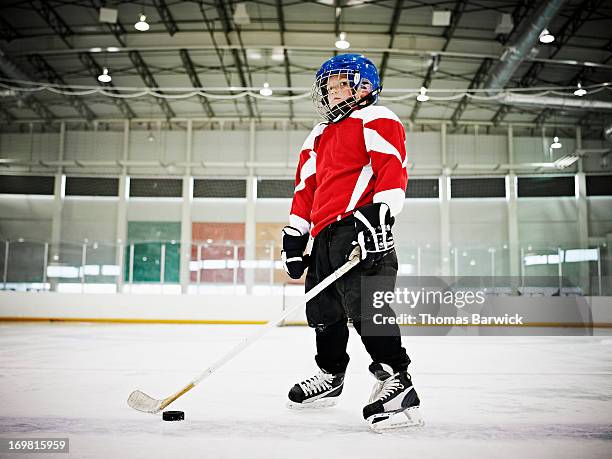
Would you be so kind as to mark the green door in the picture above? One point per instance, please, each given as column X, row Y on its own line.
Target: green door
column 148, row 239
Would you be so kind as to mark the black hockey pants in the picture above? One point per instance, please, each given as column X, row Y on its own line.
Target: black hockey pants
column 328, row 312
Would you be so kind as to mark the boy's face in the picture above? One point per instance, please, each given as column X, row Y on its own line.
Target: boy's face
column 339, row 90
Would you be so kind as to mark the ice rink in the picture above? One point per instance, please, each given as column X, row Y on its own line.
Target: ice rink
column 482, row 396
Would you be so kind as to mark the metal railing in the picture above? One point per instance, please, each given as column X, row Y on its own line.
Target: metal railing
column 88, row 266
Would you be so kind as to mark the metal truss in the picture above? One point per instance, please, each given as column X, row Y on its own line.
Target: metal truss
column 542, row 116
column 59, row 26
column 211, row 33
column 50, row 74
column 29, row 101
column 39, row 108
column 281, row 22
column 94, row 70
column 522, row 9
column 116, row 29
column 476, row 82
column 577, row 19
column 195, row 80
column 53, row 19
column 148, row 78
column 227, row 27
column 448, row 35
column 585, row 74
column 166, row 16
column 397, row 12
column 7, row 31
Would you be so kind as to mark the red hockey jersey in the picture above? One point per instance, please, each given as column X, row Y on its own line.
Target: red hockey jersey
column 346, row 165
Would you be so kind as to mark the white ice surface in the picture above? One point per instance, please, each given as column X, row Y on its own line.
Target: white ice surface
column 482, row 397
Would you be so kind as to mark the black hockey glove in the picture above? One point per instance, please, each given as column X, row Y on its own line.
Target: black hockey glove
column 292, row 255
column 373, row 225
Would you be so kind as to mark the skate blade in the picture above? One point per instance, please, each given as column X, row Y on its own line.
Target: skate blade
column 317, row 404
column 391, row 421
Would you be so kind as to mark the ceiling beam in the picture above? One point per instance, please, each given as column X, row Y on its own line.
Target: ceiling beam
column 227, row 27
column 53, row 20
column 166, row 16
column 210, row 28
column 477, row 81
column 7, row 31
column 584, row 75
column 94, row 70
column 397, row 12
column 581, row 14
column 116, row 29
column 337, row 14
column 448, row 33
column 59, row 26
column 281, row 22
column 586, row 72
column 195, row 80
column 32, row 103
column 196, row 40
column 10, row 69
column 143, row 70
column 542, row 116
column 521, row 10
column 566, row 32
column 50, row 74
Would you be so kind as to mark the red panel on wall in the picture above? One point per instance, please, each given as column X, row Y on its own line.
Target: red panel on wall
column 216, row 241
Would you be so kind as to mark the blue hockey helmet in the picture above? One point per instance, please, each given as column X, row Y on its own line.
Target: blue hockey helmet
column 360, row 73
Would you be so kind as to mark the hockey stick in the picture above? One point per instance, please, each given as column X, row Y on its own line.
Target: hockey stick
column 143, row 402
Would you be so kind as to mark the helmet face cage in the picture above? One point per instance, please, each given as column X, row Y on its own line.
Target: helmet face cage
column 320, row 93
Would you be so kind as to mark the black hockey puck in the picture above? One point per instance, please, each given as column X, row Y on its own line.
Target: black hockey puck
column 173, row 416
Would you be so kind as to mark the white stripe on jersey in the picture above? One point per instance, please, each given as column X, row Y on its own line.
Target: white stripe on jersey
column 299, row 223
column 393, row 198
column 316, row 132
column 308, row 168
column 375, row 142
column 362, row 182
column 374, row 112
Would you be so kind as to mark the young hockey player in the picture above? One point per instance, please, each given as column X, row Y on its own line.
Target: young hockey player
column 350, row 184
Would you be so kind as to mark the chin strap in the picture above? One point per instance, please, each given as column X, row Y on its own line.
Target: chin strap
column 365, row 101
column 369, row 99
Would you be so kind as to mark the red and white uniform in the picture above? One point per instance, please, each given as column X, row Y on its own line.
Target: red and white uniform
column 346, row 165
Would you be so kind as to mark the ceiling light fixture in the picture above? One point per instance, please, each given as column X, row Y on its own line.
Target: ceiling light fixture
column 265, row 91
column 342, row 43
column 580, row 91
column 423, row 97
column 104, row 77
column 142, row 24
column 546, row 37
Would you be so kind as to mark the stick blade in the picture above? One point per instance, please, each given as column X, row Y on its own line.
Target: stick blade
column 142, row 402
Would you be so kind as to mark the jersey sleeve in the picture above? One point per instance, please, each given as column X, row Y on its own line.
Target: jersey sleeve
column 305, row 183
column 385, row 140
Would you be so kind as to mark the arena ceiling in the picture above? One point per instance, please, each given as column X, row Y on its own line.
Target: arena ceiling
column 218, row 45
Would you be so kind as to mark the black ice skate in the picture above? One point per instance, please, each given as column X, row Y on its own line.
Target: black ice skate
column 393, row 394
column 320, row 391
